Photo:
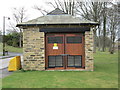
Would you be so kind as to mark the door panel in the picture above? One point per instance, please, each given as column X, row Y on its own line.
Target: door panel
column 51, row 40
column 74, row 44
column 53, row 58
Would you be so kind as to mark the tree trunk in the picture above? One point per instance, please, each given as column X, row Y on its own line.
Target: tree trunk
column 99, row 42
column 113, row 44
column 110, row 48
column 104, row 28
column 70, row 7
column 104, row 35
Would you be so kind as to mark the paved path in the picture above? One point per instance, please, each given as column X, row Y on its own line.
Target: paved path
column 4, row 72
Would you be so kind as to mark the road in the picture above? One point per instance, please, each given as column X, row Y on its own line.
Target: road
column 10, row 54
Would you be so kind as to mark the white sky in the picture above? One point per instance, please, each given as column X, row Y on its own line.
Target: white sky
column 7, row 5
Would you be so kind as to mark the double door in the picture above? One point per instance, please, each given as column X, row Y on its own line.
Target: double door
column 64, row 51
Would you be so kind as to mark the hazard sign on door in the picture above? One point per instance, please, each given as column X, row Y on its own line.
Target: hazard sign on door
column 55, row 46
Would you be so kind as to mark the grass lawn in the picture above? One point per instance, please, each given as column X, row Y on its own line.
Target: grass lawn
column 105, row 75
column 1, row 47
column 0, row 83
column 11, row 48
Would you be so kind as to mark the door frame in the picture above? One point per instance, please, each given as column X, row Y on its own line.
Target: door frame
column 64, row 66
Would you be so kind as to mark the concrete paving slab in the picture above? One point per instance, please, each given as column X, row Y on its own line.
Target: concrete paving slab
column 5, row 73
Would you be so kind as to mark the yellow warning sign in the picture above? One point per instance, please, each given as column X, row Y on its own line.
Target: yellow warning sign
column 55, row 46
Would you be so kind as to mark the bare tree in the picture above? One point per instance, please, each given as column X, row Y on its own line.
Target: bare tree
column 113, row 21
column 104, row 24
column 19, row 15
column 68, row 6
column 42, row 11
column 91, row 11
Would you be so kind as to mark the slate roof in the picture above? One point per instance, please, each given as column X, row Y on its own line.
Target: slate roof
column 57, row 16
column 57, row 11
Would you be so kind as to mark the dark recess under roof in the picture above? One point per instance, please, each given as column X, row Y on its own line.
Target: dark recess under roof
column 76, row 29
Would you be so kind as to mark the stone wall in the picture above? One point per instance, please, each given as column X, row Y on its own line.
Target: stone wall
column 89, row 50
column 33, row 49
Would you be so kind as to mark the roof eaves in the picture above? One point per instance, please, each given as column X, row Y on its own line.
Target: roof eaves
column 18, row 25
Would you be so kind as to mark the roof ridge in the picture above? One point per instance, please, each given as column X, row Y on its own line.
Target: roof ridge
column 57, row 11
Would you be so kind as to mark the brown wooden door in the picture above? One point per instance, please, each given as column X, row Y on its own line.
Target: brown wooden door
column 64, row 51
column 74, row 47
column 54, row 49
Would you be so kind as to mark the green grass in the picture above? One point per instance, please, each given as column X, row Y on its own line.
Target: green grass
column 11, row 48
column 1, row 47
column 0, row 83
column 14, row 49
column 105, row 75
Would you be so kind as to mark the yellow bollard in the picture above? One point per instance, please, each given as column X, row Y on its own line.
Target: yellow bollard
column 14, row 64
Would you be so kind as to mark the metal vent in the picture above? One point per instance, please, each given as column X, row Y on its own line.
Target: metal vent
column 74, row 39
column 55, row 61
column 74, row 61
column 55, row 39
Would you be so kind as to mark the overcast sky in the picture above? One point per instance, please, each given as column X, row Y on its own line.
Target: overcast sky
column 7, row 5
